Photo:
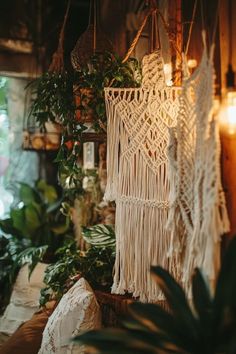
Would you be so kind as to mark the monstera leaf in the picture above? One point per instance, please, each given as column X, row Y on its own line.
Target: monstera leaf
column 207, row 326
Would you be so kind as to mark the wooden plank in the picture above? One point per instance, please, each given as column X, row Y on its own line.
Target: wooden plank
column 19, row 65
column 228, row 161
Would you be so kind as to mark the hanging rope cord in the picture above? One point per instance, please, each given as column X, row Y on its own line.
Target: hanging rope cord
column 191, row 28
column 57, row 64
column 216, row 21
column 151, row 12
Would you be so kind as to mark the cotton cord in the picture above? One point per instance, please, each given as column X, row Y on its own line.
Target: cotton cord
column 57, row 64
column 198, row 214
column 137, row 168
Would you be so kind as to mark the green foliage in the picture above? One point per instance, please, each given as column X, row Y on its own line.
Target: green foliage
column 55, row 101
column 103, row 71
column 99, row 235
column 31, row 256
column 33, row 232
column 208, row 326
column 95, row 264
column 3, row 87
column 59, row 276
column 10, row 247
column 54, row 97
column 71, row 180
column 39, row 219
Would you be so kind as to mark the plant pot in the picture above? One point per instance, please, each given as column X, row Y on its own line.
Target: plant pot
column 83, row 98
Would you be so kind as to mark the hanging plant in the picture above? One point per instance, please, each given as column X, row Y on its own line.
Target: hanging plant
column 54, row 98
column 102, row 71
column 75, row 98
column 70, row 98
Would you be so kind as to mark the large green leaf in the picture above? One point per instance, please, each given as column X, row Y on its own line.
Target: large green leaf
column 18, row 219
column 202, row 299
column 49, row 192
column 225, row 294
column 163, row 323
column 27, row 194
column 117, row 341
column 99, row 235
column 31, row 256
column 32, row 219
column 61, row 228
column 6, row 226
column 203, row 304
column 177, row 302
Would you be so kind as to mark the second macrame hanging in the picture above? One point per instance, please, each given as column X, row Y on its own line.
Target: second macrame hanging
column 198, row 215
column 138, row 136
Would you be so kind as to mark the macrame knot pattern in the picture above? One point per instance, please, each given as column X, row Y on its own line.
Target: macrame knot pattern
column 198, row 213
column 137, row 162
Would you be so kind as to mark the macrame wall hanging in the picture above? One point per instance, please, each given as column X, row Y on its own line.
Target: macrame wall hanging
column 164, row 174
column 198, row 213
column 138, row 135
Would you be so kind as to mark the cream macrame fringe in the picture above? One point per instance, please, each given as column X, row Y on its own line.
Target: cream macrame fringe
column 198, row 213
column 138, row 137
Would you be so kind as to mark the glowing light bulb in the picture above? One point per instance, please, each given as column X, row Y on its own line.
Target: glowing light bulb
column 192, row 63
column 228, row 114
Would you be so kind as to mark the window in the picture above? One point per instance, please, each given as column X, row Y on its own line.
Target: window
column 6, row 197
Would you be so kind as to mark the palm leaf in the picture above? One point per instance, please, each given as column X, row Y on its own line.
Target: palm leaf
column 225, row 293
column 224, row 304
column 116, row 341
column 177, row 302
column 212, row 330
column 163, row 323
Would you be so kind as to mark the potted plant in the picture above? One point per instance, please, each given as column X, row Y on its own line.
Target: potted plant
column 94, row 264
column 37, row 224
column 32, row 233
column 107, row 70
column 206, row 326
column 72, row 98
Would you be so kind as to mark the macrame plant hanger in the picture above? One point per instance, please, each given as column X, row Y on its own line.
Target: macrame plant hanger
column 57, row 63
column 138, row 134
column 92, row 41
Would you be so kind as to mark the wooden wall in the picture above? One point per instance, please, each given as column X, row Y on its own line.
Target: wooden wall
column 228, row 141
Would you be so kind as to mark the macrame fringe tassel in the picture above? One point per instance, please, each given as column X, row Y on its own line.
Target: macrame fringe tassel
column 141, row 216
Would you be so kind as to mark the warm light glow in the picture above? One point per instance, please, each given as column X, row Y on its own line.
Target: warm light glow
column 168, row 74
column 228, row 113
column 192, row 63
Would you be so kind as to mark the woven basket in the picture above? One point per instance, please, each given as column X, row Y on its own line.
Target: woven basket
column 85, row 46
